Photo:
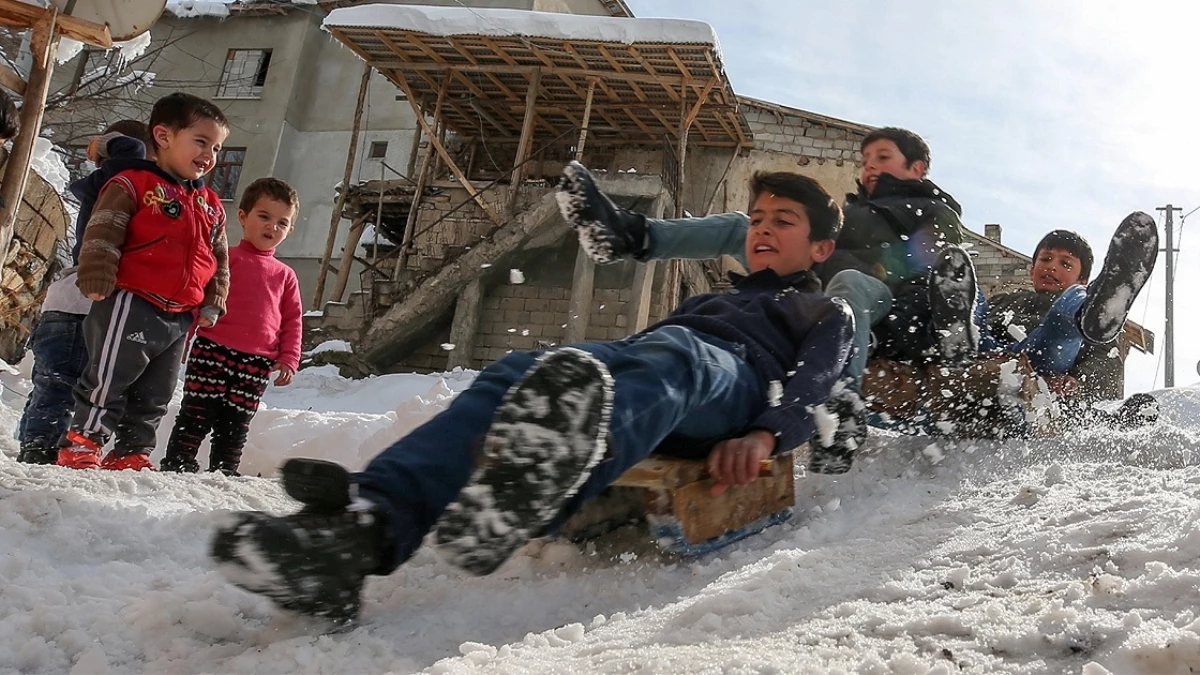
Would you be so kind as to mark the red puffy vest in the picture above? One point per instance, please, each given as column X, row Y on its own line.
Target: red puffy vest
column 168, row 253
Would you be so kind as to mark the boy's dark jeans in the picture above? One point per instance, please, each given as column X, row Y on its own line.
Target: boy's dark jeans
column 59, row 356
column 671, row 381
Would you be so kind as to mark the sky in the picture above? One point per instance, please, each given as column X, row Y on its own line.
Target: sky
column 1040, row 116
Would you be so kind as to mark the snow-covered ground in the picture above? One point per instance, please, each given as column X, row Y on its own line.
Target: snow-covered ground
column 1076, row 556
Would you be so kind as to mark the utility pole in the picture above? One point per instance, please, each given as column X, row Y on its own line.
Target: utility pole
column 1169, row 326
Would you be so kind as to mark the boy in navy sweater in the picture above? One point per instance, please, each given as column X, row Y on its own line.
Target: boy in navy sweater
column 737, row 376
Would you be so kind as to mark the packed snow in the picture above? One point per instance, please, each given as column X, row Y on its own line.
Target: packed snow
column 447, row 21
column 1064, row 556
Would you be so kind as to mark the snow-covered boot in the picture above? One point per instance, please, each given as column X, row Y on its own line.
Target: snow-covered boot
column 1127, row 266
column 952, row 293
column 313, row 562
column 1136, row 411
column 607, row 232
column 832, row 451
column 545, row 439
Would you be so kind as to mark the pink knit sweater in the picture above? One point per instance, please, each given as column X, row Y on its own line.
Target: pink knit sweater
column 263, row 310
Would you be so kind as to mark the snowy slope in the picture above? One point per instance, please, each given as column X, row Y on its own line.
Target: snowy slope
column 1039, row 557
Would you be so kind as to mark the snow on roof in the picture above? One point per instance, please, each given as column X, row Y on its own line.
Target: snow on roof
column 448, row 21
column 187, row 9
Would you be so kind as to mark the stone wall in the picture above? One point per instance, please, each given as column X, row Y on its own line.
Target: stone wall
column 997, row 267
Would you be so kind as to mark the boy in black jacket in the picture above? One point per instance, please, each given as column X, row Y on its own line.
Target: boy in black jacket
column 59, row 354
column 539, row 433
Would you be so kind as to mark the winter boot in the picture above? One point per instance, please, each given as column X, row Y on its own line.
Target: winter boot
column 543, row 443
column 1138, row 410
column 606, row 232
column 834, row 453
column 36, row 452
column 179, row 464
column 120, row 461
column 82, row 453
column 314, row 562
column 952, row 293
column 1127, row 266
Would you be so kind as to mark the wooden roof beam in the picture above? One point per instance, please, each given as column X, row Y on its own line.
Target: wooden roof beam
column 621, row 69
column 622, row 76
column 22, row 15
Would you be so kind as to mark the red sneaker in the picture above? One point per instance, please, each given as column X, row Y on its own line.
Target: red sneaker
column 134, row 460
column 82, row 453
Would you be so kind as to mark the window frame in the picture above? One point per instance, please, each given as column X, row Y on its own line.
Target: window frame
column 232, row 86
column 227, row 190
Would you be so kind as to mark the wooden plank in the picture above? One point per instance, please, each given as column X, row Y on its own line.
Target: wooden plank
column 446, row 157
column 353, row 236
column 637, row 91
column 704, row 516
column 523, row 146
column 21, row 15
column 465, row 325
column 660, row 472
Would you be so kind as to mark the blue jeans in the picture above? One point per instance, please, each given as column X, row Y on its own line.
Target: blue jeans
column 59, row 356
column 1054, row 345
column 870, row 299
column 671, row 382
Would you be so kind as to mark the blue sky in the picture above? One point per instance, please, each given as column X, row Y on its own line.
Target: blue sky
column 1040, row 115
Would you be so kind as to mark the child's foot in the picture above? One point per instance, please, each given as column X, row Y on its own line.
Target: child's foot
column 314, row 562
column 82, row 453
column 135, row 461
column 1127, row 266
column 952, row 292
column 544, row 440
column 606, row 232
column 1138, row 410
column 833, row 453
column 179, row 464
column 38, row 453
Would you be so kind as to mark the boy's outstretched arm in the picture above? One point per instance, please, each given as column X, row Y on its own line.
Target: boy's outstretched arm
column 820, row 362
column 103, row 238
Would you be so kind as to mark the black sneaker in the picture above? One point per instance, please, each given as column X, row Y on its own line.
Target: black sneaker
column 1127, row 266
column 952, row 292
column 606, row 232
column 835, row 454
column 314, row 562
column 541, row 447
column 179, row 464
column 37, row 453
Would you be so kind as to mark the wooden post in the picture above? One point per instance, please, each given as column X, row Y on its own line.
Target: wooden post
column 523, row 145
column 637, row 312
column 343, row 270
column 441, row 150
column 410, row 223
column 44, row 44
column 583, row 279
column 412, row 151
column 336, row 218
column 465, row 325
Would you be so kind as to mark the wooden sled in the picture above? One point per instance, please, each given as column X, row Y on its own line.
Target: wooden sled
column 672, row 497
column 996, row 397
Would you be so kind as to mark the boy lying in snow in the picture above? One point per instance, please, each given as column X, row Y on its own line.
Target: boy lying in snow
column 539, row 433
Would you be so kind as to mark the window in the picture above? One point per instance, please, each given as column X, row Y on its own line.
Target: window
column 245, row 73
column 378, row 149
column 224, row 176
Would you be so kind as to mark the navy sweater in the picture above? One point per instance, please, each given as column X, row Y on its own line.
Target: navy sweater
column 793, row 334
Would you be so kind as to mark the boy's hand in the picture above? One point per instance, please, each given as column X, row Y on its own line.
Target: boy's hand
column 286, row 373
column 96, row 297
column 737, row 460
column 1063, row 385
column 93, row 150
column 204, row 321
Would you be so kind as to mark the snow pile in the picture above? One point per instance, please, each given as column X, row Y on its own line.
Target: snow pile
column 49, row 165
column 188, row 9
column 1072, row 555
column 331, row 346
column 447, row 21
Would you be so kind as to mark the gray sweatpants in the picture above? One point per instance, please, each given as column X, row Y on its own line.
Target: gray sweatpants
column 134, row 354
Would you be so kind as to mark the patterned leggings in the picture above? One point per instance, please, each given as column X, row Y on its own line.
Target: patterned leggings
column 221, row 393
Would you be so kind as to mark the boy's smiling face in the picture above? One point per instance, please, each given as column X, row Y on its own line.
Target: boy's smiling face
column 1055, row 270
column 779, row 237
column 884, row 156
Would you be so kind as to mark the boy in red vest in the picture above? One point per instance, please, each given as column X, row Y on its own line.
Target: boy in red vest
column 153, row 253
column 231, row 363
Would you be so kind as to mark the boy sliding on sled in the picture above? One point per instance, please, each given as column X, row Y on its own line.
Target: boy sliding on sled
column 1066, row 325
column 539, row 433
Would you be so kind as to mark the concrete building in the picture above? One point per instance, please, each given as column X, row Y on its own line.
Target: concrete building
column 290, row 92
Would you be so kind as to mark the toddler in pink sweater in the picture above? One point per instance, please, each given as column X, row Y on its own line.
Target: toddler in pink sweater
column 230, row 363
